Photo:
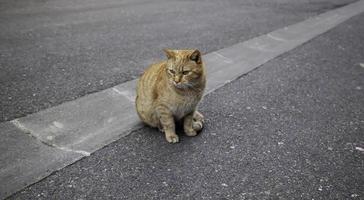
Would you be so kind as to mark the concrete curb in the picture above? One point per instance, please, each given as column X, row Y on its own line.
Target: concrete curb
column 55, row 137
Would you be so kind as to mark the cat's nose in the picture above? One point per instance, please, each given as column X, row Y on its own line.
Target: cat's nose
column 177, row 79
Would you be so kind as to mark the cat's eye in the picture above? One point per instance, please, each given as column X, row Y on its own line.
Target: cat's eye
column 186, row 72
column 171, row 71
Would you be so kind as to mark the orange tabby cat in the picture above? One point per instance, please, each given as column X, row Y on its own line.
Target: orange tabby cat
column 170, row 90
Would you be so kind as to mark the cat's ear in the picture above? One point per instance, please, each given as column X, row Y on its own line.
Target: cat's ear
column 196, row 56
column 169, row 53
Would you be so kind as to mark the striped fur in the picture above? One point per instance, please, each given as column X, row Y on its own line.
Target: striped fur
column 170, row 90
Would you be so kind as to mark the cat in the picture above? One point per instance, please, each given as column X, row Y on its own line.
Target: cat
column 170, row 91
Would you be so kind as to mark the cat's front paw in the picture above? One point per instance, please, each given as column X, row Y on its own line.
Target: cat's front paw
column 197, row 125
column 191, row 133
column 172, row 138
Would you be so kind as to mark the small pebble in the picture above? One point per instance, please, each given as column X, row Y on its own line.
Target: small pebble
column 354, row 195
column 359, row 149
column 50, row 137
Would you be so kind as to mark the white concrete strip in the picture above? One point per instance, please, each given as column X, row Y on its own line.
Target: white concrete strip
column 22, row 128
column 85, row 125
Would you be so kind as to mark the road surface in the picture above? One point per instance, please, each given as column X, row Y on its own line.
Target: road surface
column 291, row 129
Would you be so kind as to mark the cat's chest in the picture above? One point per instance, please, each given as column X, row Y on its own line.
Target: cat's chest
column 183, row 106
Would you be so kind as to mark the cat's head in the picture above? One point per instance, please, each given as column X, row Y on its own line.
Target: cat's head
column 184, row 68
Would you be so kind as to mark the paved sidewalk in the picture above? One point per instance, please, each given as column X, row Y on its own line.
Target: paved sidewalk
column 291, row 129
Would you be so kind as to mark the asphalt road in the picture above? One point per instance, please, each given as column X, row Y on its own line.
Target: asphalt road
column 291, row 129
column 56, row 51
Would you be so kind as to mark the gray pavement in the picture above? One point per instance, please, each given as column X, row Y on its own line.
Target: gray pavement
column 292, row 129
column 77, row 128
column 56, row 51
